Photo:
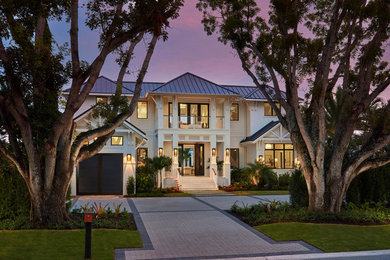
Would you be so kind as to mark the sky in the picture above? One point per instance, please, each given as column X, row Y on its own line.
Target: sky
column 188, row 49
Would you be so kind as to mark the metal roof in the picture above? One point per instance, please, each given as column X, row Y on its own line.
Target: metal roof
column 186, row 83
column 189, row 83
column 260, row 132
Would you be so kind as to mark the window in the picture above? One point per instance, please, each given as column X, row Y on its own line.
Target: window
column 101, row 100
column 279, row 156
column 193, row 115
column 235, row 112
column 86, row 143
column 268, row 111
column 142, row 109
column 142, row 154
column 117, row 140
column 234, row 158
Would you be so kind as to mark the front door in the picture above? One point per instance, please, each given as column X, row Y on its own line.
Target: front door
column 191, row 159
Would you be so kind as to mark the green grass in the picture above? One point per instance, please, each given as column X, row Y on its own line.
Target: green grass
column 261, row 192
column 64, row 244
column 331, row 237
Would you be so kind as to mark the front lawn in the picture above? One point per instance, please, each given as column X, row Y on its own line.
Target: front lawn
column 260, row 192
column 331, row 237
column 64, row 244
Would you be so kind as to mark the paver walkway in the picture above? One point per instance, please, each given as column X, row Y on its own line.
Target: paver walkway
column 199, row 227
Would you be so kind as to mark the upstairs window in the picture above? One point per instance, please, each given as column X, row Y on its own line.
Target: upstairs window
column 235, row 112
column 268, row 110
column 142, row 109
column 117, row 140
column 101, row 100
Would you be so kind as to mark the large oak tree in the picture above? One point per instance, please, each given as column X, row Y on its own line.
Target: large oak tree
column 37, row 136
column 319, row 46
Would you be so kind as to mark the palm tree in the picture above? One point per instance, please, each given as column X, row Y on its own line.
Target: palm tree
column 159, row 163
column 259, row 173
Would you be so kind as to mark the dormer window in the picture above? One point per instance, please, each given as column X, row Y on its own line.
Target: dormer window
column 101, row 100
column 268, row 110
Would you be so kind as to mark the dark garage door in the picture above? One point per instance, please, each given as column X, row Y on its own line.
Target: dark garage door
column 100, row 174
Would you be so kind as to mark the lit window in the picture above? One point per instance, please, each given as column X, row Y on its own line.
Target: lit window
column 268, row 111
column 142, row 153
column 234, row 158
column 117, row 140
column 86, row 143
column 235, row 112
column 101, row 100
column 142, row 109
column 279, row 156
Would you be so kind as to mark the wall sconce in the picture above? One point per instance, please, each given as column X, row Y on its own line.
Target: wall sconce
column 160, row 151
column 128, row 157
column 260, row 159
column 175, row 152
column 227, row 151
column 213, row 152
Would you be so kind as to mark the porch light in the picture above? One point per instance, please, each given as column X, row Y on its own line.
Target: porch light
column 227, row 151
column 160, row 151
column 260, row 159
column 175, row 152
column 213, row 152
column 128, row 157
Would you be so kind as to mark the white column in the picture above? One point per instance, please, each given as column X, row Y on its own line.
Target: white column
column 213, row 114
column 175, row 112
column 129, row 166
column 227, row 114
column 226, row 161
column 160, row 112
column 175, row 159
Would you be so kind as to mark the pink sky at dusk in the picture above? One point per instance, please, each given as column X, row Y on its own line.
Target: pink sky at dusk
column 188, row 49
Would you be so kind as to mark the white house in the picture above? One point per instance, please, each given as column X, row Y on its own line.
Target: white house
column 194, row 121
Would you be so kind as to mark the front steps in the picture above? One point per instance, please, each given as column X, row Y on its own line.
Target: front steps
column 197, row 183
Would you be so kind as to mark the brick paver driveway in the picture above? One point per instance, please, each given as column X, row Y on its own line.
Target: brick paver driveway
column 199, row 227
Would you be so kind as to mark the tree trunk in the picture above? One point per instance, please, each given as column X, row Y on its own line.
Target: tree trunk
column 49, row 209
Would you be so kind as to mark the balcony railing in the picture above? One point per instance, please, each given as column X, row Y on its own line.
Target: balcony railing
column 193, row 122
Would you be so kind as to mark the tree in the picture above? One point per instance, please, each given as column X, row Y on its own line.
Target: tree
column 39, row 138
column 321, row 45
column 158, row 164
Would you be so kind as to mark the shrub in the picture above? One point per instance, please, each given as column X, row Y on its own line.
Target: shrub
column 130, row 185
column 371, row 186
column 144, row 178
column 14, row 195
column 240, row 178
column 284, row 180
column 298, row 190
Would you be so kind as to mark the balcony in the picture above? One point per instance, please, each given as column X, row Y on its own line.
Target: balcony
column 193, row 122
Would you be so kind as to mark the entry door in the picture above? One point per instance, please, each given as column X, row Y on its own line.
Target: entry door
column 199, row 159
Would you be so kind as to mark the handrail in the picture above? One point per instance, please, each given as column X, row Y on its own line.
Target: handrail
column 214, row 171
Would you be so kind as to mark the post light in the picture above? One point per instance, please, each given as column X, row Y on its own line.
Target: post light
column 160, row 151
column 175, row 152
column 227, row 151
column 128, row 157
column 213, row 152
column 88, row 217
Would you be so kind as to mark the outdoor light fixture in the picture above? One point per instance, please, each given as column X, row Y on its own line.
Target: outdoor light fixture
column 128, row 157
column 175, row 152
column 160, row 151
column 213, row 151
column 227, row 151
column 260, row 159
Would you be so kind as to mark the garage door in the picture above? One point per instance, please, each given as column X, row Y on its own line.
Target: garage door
column 100, row 174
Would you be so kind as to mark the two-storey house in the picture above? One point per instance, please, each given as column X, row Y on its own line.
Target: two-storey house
column 207, row 129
